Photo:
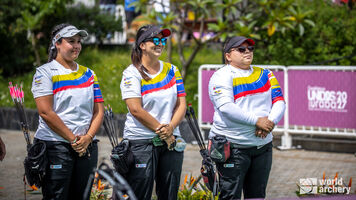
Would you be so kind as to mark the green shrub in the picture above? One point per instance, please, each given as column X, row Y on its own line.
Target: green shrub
column 16, row 50
column 330, row 42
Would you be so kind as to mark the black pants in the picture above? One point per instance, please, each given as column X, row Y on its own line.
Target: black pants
column 154, row 164
column 247, row 170
column 67, row 174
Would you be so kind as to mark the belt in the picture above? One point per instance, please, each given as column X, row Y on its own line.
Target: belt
column 141, row 141
column 241, row 146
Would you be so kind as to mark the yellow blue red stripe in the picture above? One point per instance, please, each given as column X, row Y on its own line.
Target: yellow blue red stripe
column 180, row 85
column 257, row 82
column 276, row 93
column 166, row 79
column 261, row 80
column 79, row 79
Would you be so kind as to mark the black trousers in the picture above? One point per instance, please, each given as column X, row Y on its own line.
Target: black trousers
column 154, row 164
column 67, row 174
column 247, row 170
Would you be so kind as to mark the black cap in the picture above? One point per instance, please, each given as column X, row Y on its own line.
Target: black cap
column 151, row 32
column 237, row 41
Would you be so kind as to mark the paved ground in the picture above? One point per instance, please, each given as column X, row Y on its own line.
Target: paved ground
column 288, row 167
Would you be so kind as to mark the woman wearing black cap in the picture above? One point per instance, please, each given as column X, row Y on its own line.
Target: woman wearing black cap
column 248, row 102
column 69, row 103
column 154, row 93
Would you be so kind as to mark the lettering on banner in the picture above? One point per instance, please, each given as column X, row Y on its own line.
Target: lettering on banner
column 321, row 99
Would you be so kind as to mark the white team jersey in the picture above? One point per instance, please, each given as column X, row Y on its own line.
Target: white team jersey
column 159, row 97
column 74, row 94
column 254, row 91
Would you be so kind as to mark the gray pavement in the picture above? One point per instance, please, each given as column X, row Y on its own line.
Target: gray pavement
column 287, row 168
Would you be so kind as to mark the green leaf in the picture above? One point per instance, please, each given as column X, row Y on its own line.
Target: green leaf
column 301, row 29
column 310, row 22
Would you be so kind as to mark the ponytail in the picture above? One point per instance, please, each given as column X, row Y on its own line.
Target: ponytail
column 136, row 54
column 52, row 50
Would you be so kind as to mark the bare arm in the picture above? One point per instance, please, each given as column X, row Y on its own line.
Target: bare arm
column 179, row 112
column 178, row 115
column 136, row 109
column 97, row 119
column 98, row 114
column 45, row 110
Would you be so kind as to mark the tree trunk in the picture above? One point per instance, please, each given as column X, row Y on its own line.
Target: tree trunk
column 34, row 48
column 187, row 64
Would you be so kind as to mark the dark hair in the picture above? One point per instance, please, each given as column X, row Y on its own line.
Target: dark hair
column 226, row 42
column 52, row 52
column 136, row 53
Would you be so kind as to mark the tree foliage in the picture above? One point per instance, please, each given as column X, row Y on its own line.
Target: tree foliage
column 25, row 27
column 328, row 38
column 32, row 16
column 257, row 19
column 14, row 47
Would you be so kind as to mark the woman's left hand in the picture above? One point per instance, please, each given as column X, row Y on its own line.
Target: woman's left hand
column 261, row 133
column 82, row 143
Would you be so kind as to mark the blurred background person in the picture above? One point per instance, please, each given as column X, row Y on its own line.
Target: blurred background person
column 130, row 12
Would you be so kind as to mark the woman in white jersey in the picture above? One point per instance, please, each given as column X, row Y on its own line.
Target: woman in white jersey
column 248, row 102
column 154, row 94
column 69, row 103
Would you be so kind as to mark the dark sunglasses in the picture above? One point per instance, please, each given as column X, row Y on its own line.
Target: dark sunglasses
column 157, row 40
column 243, row 49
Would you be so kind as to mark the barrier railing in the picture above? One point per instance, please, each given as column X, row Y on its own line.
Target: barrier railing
column 328, row 106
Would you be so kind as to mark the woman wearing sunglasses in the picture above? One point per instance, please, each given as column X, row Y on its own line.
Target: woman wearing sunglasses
column 154, row 93
column 248, row 102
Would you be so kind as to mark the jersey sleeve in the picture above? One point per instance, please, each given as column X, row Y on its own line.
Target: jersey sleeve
column 276, row 92
column 220, row 89
column 42, row 83
column 130, row 84
column 179, row 83
column 98, row 97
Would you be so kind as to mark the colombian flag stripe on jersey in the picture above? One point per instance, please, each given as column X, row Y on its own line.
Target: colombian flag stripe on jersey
column 257, row 82
column 79, row 79
column 97, row 94
column 166, row 79
column 276, row 93
column 180, row 85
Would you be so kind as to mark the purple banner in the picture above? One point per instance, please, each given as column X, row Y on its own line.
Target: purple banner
column 322, row 98
column 207, row 106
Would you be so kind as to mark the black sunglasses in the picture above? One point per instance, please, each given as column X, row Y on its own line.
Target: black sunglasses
column 157, row 40
column 242, row 49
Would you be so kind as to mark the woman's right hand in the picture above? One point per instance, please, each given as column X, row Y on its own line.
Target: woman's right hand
column 164, row 131
column 265, row 124
column 81, row 144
